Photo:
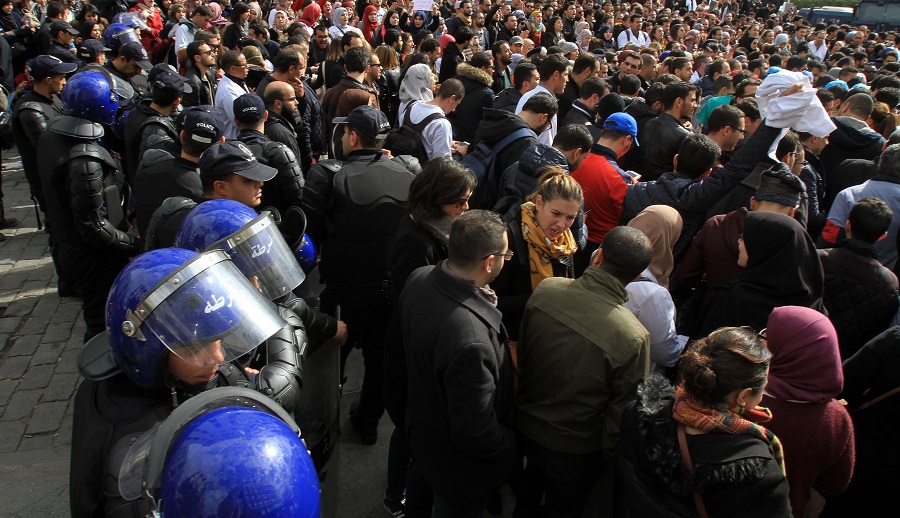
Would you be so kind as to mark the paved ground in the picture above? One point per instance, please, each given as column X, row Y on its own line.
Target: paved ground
column 40, row 338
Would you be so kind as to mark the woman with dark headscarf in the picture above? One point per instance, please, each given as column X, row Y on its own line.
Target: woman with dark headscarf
column 391, row 20
column 805, row 377
column 781, row 268
column 415, row 22
column 607, row 42
column 90, row 30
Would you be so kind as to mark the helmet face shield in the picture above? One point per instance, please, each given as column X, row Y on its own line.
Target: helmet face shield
column 206, row 312
column 260, row 251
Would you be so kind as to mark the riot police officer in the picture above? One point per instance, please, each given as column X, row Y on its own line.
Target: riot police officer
column 261, row 253
column 178, row 324
column 354, row 209
column 153, row 117
column 83, row 193
column 160, row 175
column 128, row 58
column 32, row 113
column 254, row 461
column 286, row 189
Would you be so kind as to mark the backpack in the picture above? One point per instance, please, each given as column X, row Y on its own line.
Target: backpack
column 407, row 139
column 481, row 161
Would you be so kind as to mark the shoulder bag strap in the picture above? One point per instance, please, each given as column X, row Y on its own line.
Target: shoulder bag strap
column 879, row 399
column 686, row 460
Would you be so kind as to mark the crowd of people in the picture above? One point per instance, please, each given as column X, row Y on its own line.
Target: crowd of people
column 632, row 259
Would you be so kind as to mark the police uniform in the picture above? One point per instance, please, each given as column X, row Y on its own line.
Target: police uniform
column 354, row 210
column 83, row 194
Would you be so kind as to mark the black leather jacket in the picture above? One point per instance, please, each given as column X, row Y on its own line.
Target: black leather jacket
column 666, row 134
column 203, row 89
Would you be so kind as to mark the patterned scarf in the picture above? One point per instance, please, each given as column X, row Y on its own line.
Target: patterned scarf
column 735, row 420
column 541, row 250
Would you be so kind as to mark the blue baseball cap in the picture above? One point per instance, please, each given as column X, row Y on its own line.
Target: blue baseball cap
column 622, row 122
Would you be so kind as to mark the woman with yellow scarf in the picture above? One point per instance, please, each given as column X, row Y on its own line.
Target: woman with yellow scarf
column 542, row 244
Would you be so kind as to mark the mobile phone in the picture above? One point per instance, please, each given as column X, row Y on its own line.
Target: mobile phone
column 463, row 143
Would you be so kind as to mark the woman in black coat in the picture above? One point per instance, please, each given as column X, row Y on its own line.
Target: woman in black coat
column 541, row 241
column 437, row 196
column 476, row 79
column 781, row 268
column 737, row 464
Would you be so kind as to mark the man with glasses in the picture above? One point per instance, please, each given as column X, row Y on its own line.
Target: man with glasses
column 576, row 377
column 281, row 103
column 726, row 127
column 230, row 87
column 199, row 71
column 460, row 408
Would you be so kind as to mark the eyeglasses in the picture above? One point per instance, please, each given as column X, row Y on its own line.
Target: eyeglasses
column 289, row 100
column 743, row 132
column 506, row 256
column 241, row 65
column 375, row 65
column 208, row 52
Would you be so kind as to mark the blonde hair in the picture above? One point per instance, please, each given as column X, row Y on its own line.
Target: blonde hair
column 555, row 183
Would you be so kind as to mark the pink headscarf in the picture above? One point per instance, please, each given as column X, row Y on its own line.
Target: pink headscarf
column 806, row 361
column 311, row 15
column 217, row 20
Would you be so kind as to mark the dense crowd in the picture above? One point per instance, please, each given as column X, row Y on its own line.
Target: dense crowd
column 633, row 259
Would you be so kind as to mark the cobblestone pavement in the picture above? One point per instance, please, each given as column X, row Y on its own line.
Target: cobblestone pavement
column 40, row 338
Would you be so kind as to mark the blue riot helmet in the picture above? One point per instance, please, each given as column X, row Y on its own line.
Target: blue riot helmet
column 132, row 19
column 197, row 306
column 252, row 240
column 91, row 95
column 118, row 34
column 225, row 452
column 305, row 253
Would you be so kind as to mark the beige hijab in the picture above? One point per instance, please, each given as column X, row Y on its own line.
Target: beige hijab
column 662, row 226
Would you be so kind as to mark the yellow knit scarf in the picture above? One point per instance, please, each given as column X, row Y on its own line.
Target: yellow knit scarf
column 540, row 248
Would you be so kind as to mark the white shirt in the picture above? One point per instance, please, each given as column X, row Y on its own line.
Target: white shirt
column 437, row 137
column 652, row 305
column 226, row 93
column 550, row 133
column 627, row 36
column 819, row 53
column 183, row 35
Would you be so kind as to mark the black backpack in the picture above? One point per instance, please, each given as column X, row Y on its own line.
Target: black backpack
column 407, row 139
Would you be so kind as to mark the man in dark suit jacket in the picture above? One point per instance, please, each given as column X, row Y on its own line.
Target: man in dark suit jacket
column 459, row 417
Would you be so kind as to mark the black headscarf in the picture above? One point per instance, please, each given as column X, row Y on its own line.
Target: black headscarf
column 7, row 20
column 783, row 269
column 86, row 27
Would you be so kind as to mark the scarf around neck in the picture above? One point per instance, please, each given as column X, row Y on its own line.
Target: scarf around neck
column 734, row 420
column 541, row 250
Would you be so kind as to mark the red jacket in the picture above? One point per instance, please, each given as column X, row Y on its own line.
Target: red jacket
column 604, row 185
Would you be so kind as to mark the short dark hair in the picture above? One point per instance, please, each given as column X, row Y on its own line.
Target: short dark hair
column 347, row 38
column 207, row 182
column 697, row 155
column 725, row 115
column 552, row 64
column 205, row 36
column 586, row 61
column 626, row 253
column 55, row 9
column 796, row 62
column 259, row 29
column 721, row 82
column 473, row 236
column 678, row 64
column 429, row 45
column 716, row 67
column 452, row 87
column 676, row 90
column 391, row 37
column 464, row 34
column 789, row 143
column 889, row 96
column 742, row 86
column 593, row 85
column 654, row 93
column 481, row 60
column 540, row 103
column 443, row 181
column 870, row 218
column 749, row 108
column 285, row 59
column 203, row 10
column 356, row 59
column 193, row 50
column 497, row 46
column 524, row 71
column 629, row 85
column 573, row 136
column 230, row 58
